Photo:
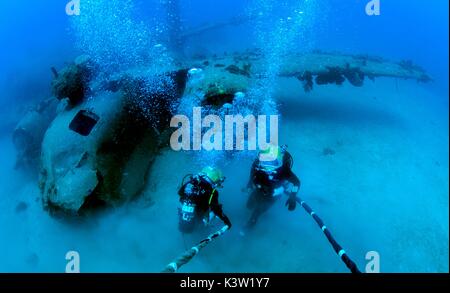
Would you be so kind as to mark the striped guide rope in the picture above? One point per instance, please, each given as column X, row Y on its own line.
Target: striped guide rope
column 337, row 248
column 193, row 251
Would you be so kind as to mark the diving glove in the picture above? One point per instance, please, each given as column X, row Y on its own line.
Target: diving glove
column 227, row 222
column 291, row 203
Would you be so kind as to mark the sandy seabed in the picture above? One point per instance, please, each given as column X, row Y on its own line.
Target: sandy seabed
column 373, row 163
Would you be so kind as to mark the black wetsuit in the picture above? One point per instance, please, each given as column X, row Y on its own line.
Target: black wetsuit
column 268, row 187
column 198, row 197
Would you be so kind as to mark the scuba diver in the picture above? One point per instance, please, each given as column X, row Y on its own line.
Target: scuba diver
column 199, row 199
column 271, row 176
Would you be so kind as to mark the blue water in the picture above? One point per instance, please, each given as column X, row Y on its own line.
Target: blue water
column 406, row 30
column 384, row 189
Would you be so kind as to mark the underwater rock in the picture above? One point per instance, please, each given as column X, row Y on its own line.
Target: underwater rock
column 72, row 81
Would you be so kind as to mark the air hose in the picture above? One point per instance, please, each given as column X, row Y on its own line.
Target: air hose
column 193, row 251
column 337, row 248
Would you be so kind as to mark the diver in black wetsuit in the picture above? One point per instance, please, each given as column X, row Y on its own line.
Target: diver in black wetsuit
column 199, row 200
column 271, row 177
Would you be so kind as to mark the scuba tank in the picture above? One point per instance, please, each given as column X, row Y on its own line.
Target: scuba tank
column 194, row 191
column 187, row 211
column 187, row 217
column 268, row 175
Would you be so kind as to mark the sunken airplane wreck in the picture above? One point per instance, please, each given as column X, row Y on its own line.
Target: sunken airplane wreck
column 94, row 145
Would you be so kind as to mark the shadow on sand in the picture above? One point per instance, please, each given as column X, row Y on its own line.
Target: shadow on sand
column 337, row 112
